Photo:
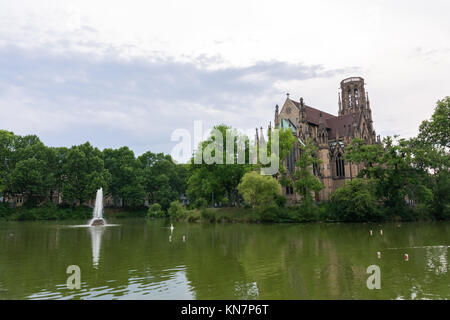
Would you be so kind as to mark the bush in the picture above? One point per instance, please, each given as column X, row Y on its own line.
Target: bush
column 155, row 211
column 307, row 211
column 355, row 201
column 280, row 200
column 259, row 190
column 193, row 215
column 208, row 215
column 200, row 203
column 5, row 210
column 176, row 210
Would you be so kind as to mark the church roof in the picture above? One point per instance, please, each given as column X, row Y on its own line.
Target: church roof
column 313, row 114
column 340, row 124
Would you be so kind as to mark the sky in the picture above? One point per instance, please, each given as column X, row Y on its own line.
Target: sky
column 118, row 73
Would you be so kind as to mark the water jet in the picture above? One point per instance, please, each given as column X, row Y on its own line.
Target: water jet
column 97, row 219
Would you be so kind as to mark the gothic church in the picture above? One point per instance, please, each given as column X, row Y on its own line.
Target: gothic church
column 330, row 133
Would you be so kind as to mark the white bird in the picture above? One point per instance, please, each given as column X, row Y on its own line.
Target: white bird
column 371, row 233
column 379, row 254
column 171, row 228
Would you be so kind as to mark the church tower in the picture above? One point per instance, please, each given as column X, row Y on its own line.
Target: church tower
column 353, row 96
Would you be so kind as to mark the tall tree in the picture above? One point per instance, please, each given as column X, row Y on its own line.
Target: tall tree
column 304, row 181
column 7, row 147
column 84, row 173
column 163, row 180
column 217, row 182
column 126, row 185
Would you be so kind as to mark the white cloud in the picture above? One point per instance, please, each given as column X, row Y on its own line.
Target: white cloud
column 117, row 66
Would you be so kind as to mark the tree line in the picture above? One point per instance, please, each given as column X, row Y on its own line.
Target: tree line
column 405, row 178
column 40, row 173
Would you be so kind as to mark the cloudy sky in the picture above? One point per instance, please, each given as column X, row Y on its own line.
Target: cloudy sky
column 131, row 72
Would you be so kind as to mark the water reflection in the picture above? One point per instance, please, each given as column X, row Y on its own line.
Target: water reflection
column 96, row 241
column 224, row 261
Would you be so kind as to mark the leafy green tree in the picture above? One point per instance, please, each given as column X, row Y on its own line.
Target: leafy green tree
column 7, row 147
column 155, row 211
column 84, row 173
column 259, row 190
column 29, row 170
column 431, row 153
column 176, row 210
column 218, row 182
column 397, row 179
column 164, row 181
column 355, row 201
column 127, row 182
column 436, row 131
column 304, row 181
column 29, row 178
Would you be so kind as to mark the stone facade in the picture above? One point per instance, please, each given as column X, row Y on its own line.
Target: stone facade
column 330, row 133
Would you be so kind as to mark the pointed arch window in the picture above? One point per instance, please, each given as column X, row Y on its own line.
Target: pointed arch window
column 356, row 97
column 349, row 98
column 340, row 167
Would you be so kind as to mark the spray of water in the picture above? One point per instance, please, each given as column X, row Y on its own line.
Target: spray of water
column 97, row 219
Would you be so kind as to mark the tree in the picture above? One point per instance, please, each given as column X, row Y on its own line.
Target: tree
column 7, row 147
column 218, row 182
column 163, row 180
column 355, row 201
column 398, row 181
column 431, row 150
column 84, row 173
column 436, row 131
column 29, row 170
column 304, row 181
column 259, row 190
column 127, row 181
column 29, row 178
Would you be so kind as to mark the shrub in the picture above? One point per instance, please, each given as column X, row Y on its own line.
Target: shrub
column 307, row 211
column 176, row 210
column 155, row 211
column 280, row 200
column 200, row 203
column 193, row 215
column 259, row 190
column 355, row 201
column 5, row 210
column 208, row 215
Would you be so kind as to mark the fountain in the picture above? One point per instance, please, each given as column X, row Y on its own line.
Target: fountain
column 97, row 219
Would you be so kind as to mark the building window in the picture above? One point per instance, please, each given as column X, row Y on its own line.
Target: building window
column 290, row 161
column 340, row 168
column 349, row 98
column 289, row 190
column 356, row 97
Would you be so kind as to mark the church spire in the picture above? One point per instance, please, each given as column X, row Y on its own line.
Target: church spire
column 261, row 137
column 276, row 124
column 302, row 112
column 367, row 100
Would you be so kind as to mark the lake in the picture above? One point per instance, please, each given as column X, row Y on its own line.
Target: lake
column 137, row 259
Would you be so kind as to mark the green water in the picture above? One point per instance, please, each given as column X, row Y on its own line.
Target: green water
column 136, row 260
